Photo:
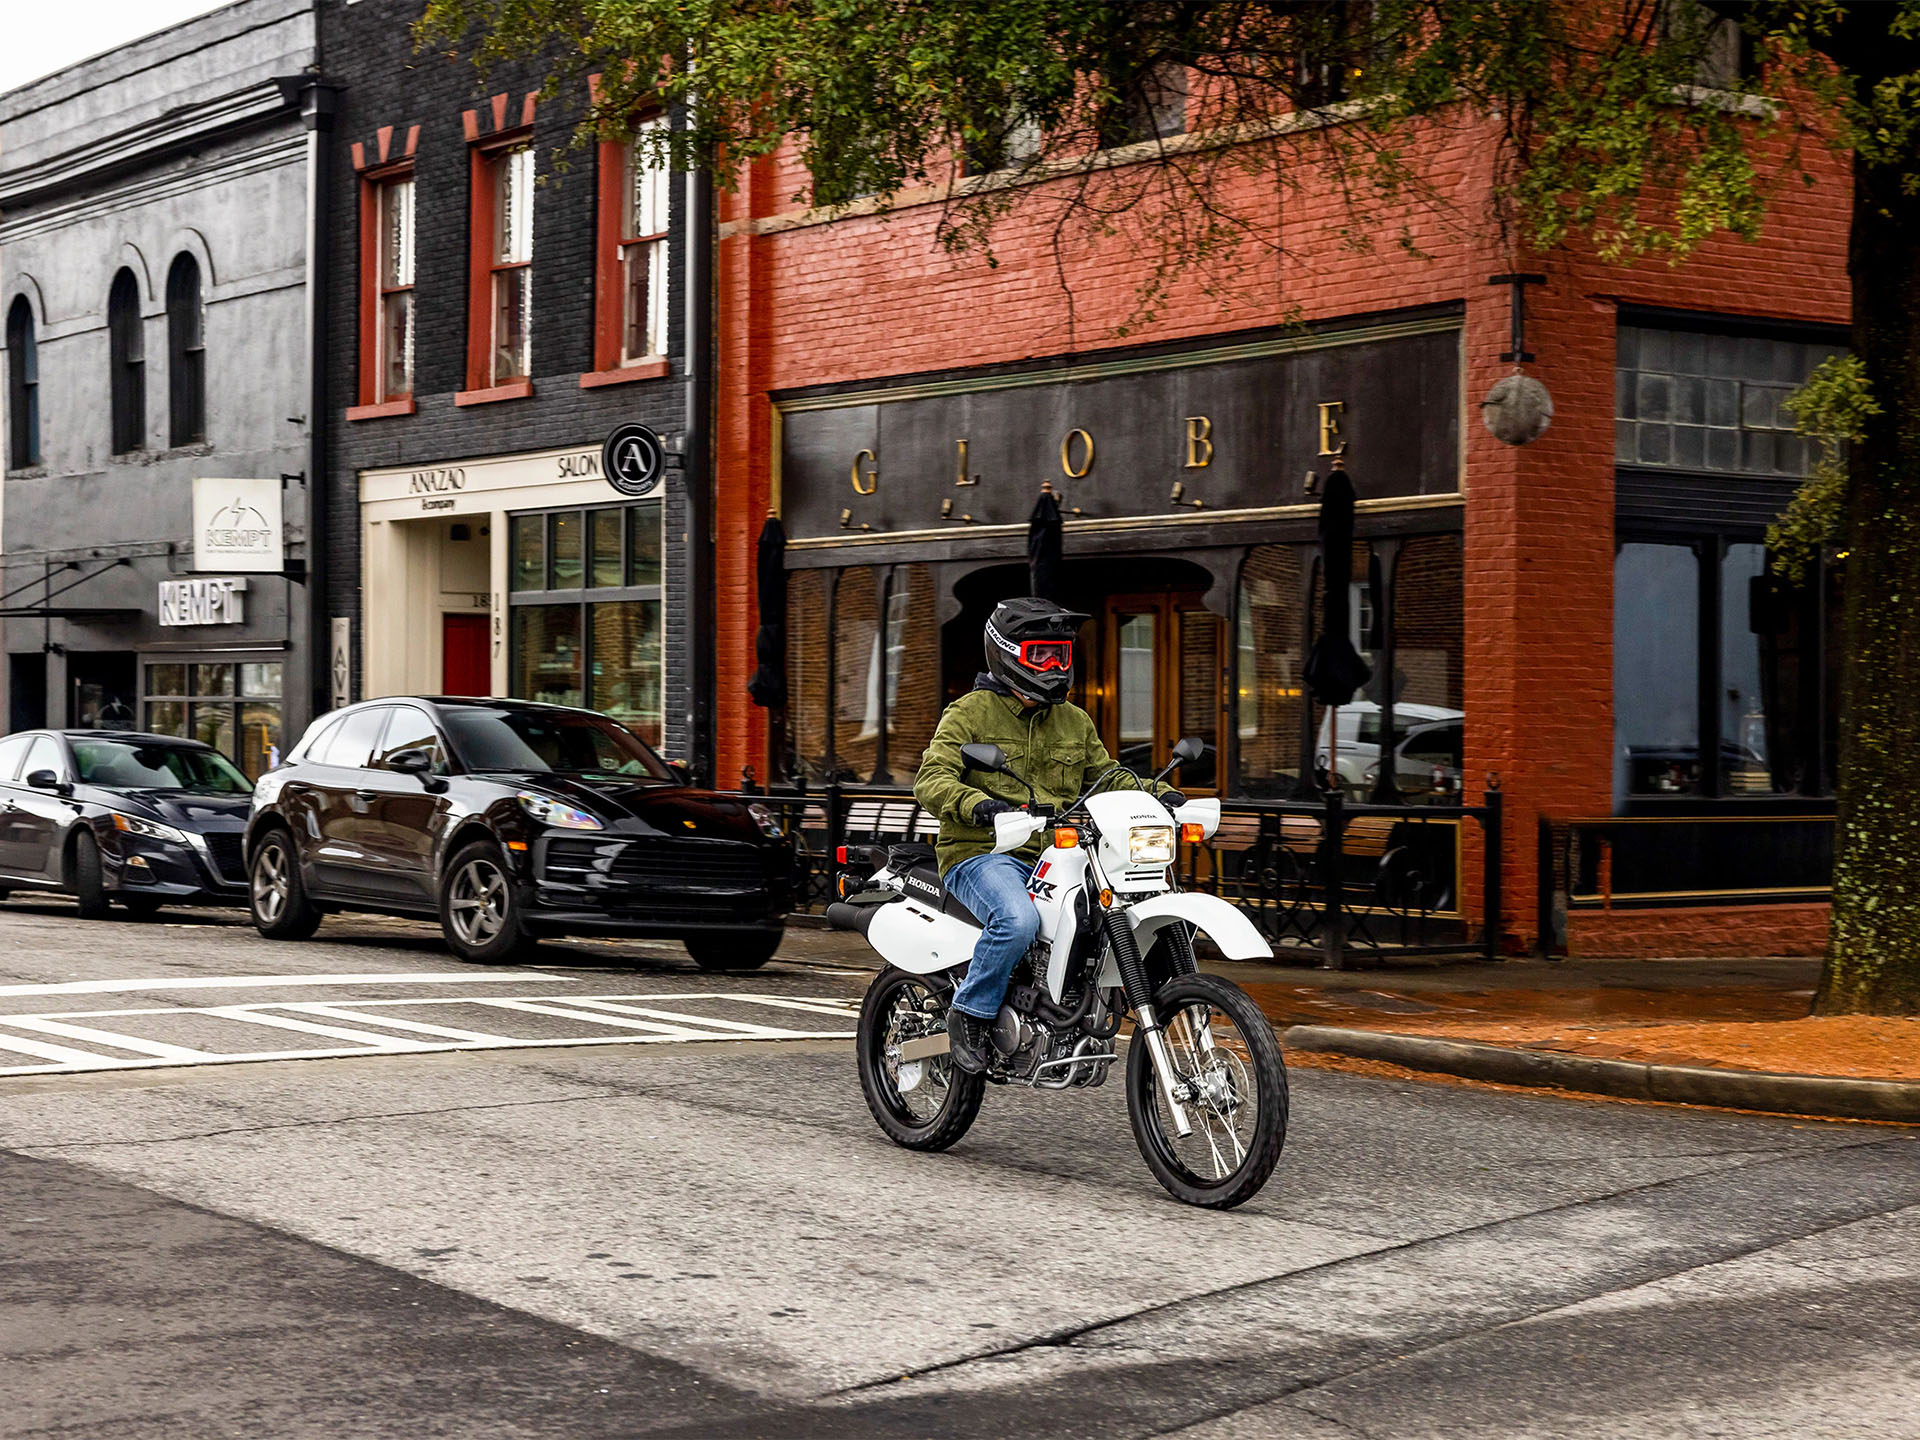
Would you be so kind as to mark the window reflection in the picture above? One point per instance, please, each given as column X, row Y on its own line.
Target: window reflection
column 1656, row 669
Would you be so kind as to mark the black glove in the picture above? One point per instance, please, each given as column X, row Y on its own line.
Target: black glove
column 985, row 810
column 1172, row 799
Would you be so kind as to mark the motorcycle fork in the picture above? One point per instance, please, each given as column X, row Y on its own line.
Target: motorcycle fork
column 1133, row 975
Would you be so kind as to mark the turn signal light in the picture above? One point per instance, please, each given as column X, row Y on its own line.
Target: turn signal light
column 519, row 847
column 840, row 884
column 1065, row 837
column 1192, row 833
column 1106, row 899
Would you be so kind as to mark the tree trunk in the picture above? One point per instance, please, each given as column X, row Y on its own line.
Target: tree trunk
column 1873, row 955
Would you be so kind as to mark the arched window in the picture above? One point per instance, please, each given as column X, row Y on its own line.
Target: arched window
column 129, row 364
column 23, row 387
column 186, row 356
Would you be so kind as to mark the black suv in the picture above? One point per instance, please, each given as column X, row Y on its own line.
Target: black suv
column 511, row 821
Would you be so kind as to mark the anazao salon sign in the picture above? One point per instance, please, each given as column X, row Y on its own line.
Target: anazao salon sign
column 450, row 487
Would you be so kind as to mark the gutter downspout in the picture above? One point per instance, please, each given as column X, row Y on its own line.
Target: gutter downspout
column 698, row 472
column 317, row 105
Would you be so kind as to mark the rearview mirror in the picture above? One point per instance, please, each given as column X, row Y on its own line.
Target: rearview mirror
column 982, row 756
column 1186, row 751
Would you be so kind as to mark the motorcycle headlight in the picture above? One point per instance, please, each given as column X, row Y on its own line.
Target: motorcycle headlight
column 1150, row 844
column 768, row 822
column 548, row 811
column 151, row 829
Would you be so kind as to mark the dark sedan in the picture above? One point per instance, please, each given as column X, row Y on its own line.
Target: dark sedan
column 510, row 821
column 144, row 820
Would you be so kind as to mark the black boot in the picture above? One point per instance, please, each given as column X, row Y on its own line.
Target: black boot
column 967, row 1041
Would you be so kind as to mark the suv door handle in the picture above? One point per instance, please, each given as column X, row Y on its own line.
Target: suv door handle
column 366, row 794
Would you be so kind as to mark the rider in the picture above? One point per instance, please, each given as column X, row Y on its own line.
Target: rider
column 1020, row 704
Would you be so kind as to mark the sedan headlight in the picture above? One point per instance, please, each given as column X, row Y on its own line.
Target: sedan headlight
column 548, row 811
column 768, row 822
column 151, row 829
column 1150, row 845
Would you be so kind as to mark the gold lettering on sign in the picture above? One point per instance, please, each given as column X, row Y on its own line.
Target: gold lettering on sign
column 1066, row 455
column 1199, row 442
column 1333, row 440
column 960, row 476
column 871, row 474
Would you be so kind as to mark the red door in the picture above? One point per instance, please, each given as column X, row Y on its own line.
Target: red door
column 465, row 666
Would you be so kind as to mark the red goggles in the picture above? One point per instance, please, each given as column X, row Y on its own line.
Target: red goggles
column 1041, row 656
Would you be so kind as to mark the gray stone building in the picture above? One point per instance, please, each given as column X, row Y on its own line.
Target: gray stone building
column 155, row 214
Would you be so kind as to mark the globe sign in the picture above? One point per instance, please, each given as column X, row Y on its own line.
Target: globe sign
column 633, row 460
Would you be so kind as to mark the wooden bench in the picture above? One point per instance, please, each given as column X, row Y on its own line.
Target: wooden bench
column 1366, row 836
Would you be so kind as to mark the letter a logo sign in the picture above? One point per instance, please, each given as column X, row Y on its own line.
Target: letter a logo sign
column 632, row 460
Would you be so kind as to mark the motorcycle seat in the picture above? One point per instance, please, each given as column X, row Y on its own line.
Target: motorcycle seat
column 923, row 883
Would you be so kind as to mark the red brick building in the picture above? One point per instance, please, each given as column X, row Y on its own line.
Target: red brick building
column 1585, row 621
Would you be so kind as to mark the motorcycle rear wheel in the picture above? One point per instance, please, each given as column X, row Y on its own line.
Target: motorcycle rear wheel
column 923, row 1104
column 1240, row 1120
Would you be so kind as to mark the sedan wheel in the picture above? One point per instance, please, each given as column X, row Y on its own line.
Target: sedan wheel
column 479, row 908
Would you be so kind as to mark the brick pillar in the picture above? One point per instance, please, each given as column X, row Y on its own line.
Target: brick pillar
column 1539, row 576
column 743, row 430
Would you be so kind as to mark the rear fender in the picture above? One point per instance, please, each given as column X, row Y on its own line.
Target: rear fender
column 920, row 940
column 1209, row 914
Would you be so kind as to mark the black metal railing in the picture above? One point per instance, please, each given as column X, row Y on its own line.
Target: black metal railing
column 1329, row 881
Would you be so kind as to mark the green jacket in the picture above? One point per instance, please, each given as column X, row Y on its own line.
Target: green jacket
column 1054, row 748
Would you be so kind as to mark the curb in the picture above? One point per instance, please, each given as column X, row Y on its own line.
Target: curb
column 1831, row 1097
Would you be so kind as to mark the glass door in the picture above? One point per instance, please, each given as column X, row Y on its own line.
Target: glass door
column 1159, row 678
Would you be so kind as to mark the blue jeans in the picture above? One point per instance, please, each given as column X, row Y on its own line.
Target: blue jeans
column 994, row 888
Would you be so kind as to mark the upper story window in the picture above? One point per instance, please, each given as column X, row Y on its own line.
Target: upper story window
column 643, row 251
column 510, row 266
column 393, row 201
column 186, row 354
column 127, row 359
column 1691, row 400
column 23, row 387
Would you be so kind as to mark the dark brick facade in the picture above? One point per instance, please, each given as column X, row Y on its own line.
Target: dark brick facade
column 368, row 48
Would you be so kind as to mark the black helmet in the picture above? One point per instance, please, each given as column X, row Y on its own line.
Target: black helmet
column 1030, row 648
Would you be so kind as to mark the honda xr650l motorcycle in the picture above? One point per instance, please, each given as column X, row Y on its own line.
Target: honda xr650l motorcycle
column 1206, row 1086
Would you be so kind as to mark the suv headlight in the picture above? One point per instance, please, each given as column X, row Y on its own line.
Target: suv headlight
column 768, row 822
column 151, row 829
column 548, row 811
column 1150, row 844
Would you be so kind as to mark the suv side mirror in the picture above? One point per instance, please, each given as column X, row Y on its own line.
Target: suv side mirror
column 47, row 780
column 983, row 756
column 410, row 762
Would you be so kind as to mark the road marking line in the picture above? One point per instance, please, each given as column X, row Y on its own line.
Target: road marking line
column 256, row 1015
column 103, row 1037
column 840, row 1008
column 417, row 1027
column 251, row 982
column 60, row 1054
column 765, row 1032
column 532, row 1007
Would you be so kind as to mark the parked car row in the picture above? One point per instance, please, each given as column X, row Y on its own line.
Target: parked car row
column 507, row 821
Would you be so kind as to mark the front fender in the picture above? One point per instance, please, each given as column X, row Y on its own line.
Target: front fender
column 1212, row 916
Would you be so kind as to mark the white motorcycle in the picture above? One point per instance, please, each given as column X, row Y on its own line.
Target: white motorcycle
column 1206, row 1085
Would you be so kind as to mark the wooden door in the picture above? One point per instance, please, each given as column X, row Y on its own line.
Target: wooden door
column 1161, row 677
column 465, row 666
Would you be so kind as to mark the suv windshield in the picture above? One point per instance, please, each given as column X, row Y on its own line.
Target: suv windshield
column 131, row 765
column 539, row 740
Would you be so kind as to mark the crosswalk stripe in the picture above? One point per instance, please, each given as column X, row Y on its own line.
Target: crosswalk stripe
column 154, row 1048
column 765, row 1032
column 256, row 1015
column 59, row 1054
column 254, row 982
column 534, row 1007
column 413, row 1027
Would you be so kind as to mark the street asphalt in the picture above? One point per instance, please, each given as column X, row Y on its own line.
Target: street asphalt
column 661, row 1235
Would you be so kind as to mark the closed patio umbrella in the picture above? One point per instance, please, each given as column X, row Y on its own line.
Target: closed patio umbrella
column 768, row 687
column 1043, row 545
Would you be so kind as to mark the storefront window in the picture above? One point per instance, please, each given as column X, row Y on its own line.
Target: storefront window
column 1271, row 693
column 807, row 646
column 913, row 669
column 594, row 637
column 547, row 649
column 1656, row 669
column 234, row 708
column 857, row 672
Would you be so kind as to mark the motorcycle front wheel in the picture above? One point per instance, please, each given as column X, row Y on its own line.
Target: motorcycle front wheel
column 1228, row 1062
column 922, row 1104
